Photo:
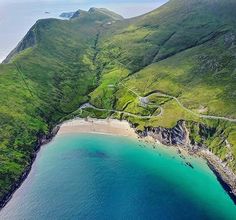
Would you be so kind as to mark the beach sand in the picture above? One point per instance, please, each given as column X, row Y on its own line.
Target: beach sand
column 123, row 128
column 91, row 125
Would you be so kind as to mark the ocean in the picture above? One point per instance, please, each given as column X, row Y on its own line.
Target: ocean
column 93, row 176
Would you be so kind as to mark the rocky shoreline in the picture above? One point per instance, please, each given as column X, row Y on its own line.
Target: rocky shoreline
column 176, row 137
column 224, row 175
column 223, row 183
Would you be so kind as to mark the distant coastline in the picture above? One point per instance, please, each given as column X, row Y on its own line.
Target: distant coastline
column 13, row 28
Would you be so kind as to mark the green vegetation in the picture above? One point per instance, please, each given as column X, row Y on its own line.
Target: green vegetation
column 185, row 49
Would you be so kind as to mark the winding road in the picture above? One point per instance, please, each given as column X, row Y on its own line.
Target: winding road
column 141, row 99
column 190, row 111
column 88, row 105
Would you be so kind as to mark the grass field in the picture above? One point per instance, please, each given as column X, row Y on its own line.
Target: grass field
column 185, row 49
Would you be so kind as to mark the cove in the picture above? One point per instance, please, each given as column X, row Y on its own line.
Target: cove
column 94, row 176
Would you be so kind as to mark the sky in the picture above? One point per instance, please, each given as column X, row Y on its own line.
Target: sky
column 17, row 16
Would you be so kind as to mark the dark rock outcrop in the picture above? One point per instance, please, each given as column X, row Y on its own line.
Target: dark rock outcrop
column 78, row 14
column 180, row 136
column 67, row 15
column 177, row 135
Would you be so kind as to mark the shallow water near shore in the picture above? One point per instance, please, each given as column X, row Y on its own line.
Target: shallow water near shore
column 93, row 176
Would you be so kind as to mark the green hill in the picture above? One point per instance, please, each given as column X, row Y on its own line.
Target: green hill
column 181, row 57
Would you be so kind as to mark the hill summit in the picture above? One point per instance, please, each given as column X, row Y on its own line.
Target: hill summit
column 170, row 73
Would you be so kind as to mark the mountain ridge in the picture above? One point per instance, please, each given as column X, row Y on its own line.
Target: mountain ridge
column 186, row 52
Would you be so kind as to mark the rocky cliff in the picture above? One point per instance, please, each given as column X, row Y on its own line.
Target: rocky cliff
column 182, row 136
column 177, row 135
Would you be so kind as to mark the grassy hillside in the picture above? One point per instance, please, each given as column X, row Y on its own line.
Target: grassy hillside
column 44, row 83
column 180, row 56
column 185, row 49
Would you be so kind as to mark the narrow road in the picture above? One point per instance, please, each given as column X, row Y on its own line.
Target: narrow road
column 88, row 105
column 190, row 111
column 181, row 105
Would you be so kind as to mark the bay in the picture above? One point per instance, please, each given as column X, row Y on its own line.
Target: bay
column 93, row 176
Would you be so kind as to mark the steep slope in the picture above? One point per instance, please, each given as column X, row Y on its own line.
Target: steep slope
column 184, row 50
column 28, row 41
column 174, row 64
column 42, row 84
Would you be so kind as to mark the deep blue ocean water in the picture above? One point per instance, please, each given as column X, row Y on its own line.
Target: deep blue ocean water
column 91, row 176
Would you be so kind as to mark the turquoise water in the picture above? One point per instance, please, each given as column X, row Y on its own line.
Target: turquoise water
column 91, row 176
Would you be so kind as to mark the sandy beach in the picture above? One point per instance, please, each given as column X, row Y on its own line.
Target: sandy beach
column 123, row 128
column 91, row 125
